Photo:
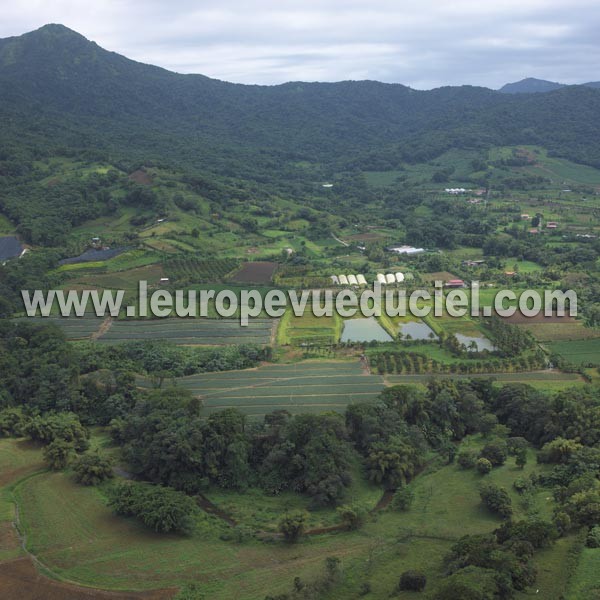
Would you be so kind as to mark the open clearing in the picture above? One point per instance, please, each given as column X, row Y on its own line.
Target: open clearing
column 309, row 386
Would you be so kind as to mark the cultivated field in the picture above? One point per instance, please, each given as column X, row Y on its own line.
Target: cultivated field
column 192, row 332
column 309, row 386
column 74, row 328
column 255, row 272
column 578, row 352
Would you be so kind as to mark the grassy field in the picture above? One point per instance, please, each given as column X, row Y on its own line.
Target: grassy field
column 310, row 386
column 579, row 351
column 72, row 531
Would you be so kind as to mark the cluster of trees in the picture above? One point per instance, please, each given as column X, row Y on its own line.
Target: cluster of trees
column 408, row 362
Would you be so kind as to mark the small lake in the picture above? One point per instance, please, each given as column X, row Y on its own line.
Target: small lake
column 482, row 342
column 417, row 331
column 364, row 330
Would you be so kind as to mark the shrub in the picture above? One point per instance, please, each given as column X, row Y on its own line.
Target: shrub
column 562, row 522
column 58, row 454
column 352, row 517
column 403, row 498
column 593, row 537
column 484, row 466
column 292, row 526
column 496, row 499
column 413, row 581
column 160, row 508
column 495, row 452
column 467, row 459
column 92, row 468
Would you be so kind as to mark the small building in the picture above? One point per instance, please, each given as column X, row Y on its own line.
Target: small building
column 335, row 280
column 534, row 230
column 455, row 283
column 399, row 277
column 164, row 280
column 390, row 278
column 525, row 217
column 551, row 225
column 510, row 273
column 405, row 249
column 361, row 280
column 352, row 280
column 343, row 280
column 381, row 278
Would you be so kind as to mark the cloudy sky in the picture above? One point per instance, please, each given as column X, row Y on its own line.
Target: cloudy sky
column 423, row 43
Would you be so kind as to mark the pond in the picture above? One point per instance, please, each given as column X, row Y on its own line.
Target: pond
column 364, row 330
column 417, row 331
column 482, row 342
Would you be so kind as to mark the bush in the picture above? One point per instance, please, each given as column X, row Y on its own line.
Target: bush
column 496, row 499
column 160, row 508
column 58, row 454
column 292, row 526
column 521, row 484
column 593, row 537
column 403, row 498
column 92, row 468
column 64, row 426
column 495, row 452
column 467, row 459
column 562, row 522
column 12, row 422
column 413, row 581
column 352, row 517
column 484, row 466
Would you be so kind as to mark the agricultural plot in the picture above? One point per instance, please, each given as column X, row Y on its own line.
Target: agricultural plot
column 578, row 352
column 74, row 328
column 545, row 380
column 309, row 330
column 192, row 332
column 199, row 270
column 255, row 272
column 304, row 387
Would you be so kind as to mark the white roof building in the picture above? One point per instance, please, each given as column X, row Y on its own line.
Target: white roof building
column 335, row 280
column 381, row 278
column 361, row 280
column 352, row 280
column 399, row 277
column 406, row 249
column 390, row 278
column 343, row 280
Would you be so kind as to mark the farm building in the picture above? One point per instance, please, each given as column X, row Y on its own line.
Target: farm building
column 335, row 280
column 455, row 283
column 455, row 191
column 343, row 280
column 381, row 278
column 405, row 249
column 551, row 225
column 534, row 231
column 390, row 278
column 361, row 280
column 525, row 217
column 352, row 280
column 399, row 277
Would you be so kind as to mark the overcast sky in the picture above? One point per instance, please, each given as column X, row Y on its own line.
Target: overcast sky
column 422, row 43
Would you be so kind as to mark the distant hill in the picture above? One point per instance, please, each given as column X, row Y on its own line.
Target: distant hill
column 60, row 92
column 531, row 85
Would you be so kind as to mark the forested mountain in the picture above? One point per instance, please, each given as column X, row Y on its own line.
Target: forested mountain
column 58, row 87
column 531, row 85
